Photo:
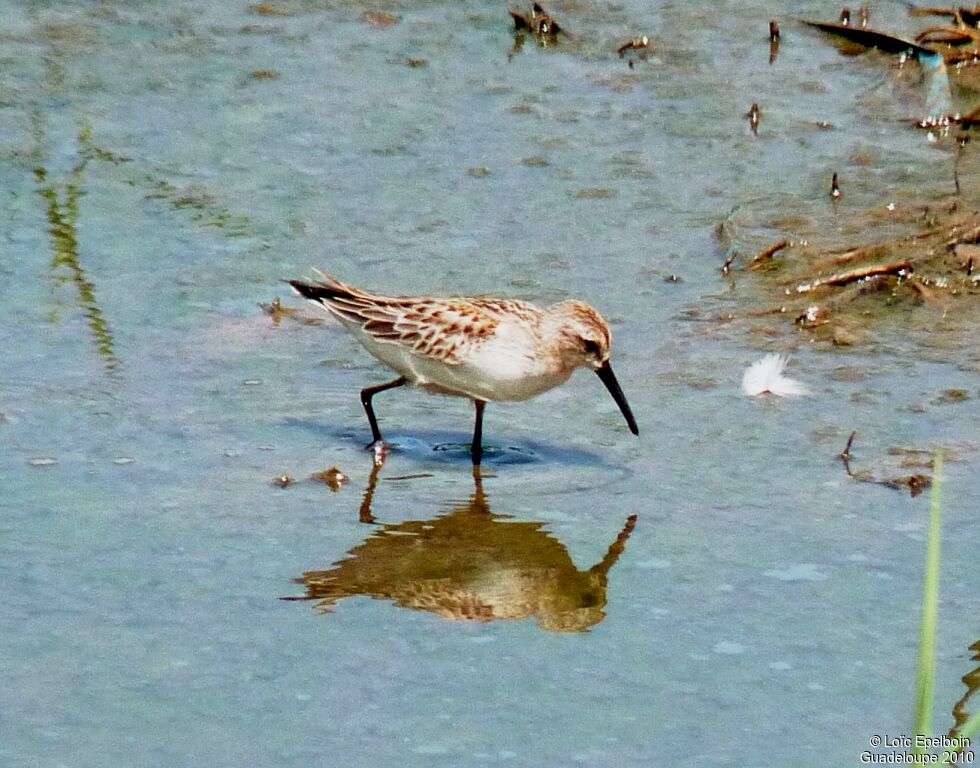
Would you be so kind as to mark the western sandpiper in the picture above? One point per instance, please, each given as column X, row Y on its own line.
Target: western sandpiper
column 481, row 348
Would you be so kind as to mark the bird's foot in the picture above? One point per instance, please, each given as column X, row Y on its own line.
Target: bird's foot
column 380, row 450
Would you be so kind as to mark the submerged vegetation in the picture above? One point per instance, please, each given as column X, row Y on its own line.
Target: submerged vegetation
column 66, row 266
column 838, row 292
column 840, row 274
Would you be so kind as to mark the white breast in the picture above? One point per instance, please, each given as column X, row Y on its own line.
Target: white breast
column 510, row 365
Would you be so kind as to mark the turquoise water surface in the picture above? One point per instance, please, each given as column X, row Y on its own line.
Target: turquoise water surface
column 716, row 591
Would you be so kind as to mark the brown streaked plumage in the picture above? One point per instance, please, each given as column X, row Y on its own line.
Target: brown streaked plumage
column 485, row 349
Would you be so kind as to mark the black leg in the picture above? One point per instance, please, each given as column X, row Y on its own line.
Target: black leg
column 366, row 394
column 477, row 447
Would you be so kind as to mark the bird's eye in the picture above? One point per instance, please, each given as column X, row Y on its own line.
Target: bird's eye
column 591, row 347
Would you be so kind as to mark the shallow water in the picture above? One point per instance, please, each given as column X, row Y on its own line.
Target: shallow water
column 165, row 167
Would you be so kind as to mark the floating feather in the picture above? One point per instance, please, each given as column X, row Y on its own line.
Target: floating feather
column 765, row 377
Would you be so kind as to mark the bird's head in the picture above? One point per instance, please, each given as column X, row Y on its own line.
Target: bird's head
column 587, row 341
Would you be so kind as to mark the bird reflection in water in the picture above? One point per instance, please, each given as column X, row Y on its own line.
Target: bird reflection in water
column 469, row 564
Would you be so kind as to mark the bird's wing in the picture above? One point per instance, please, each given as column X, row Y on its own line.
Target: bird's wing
column 440, row 329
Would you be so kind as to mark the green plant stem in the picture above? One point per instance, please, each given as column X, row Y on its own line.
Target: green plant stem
column 926, row 667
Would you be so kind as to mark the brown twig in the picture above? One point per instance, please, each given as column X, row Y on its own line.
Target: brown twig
column 970, row 118
column 727, row 266
column 864, row 272
column 914, row 484
column 927, row 293
column 854, row 254
column 846, row 453
column 967, row 238
column 845, row 457
column 854, row 275
column 767, row 312
column 947, row 34
column 767, row 253
column 959, row 57
column 915, row 11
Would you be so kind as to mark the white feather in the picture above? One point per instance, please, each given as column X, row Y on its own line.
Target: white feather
column 765, row 376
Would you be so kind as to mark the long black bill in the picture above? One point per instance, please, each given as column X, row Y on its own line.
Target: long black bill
column 605, row 372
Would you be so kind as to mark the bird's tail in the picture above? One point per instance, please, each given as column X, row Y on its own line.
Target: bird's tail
column 325, row 289
column 351, row 306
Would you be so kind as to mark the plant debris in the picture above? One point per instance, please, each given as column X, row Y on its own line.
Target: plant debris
column 379, row 18
column 870, row 38
column 915, row 484
column 837, row 292
column 638, row 49
column 268, row 9
column 636, row 44
column 332, row 477
column 755, row 117
column 766, row 253
column 277, row 312
column 773, row 40
column 538, row 22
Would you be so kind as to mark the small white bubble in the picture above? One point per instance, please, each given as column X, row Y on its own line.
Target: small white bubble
column 908, row 528
column 431, row 749
column 801, row 572
column 728, row 647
